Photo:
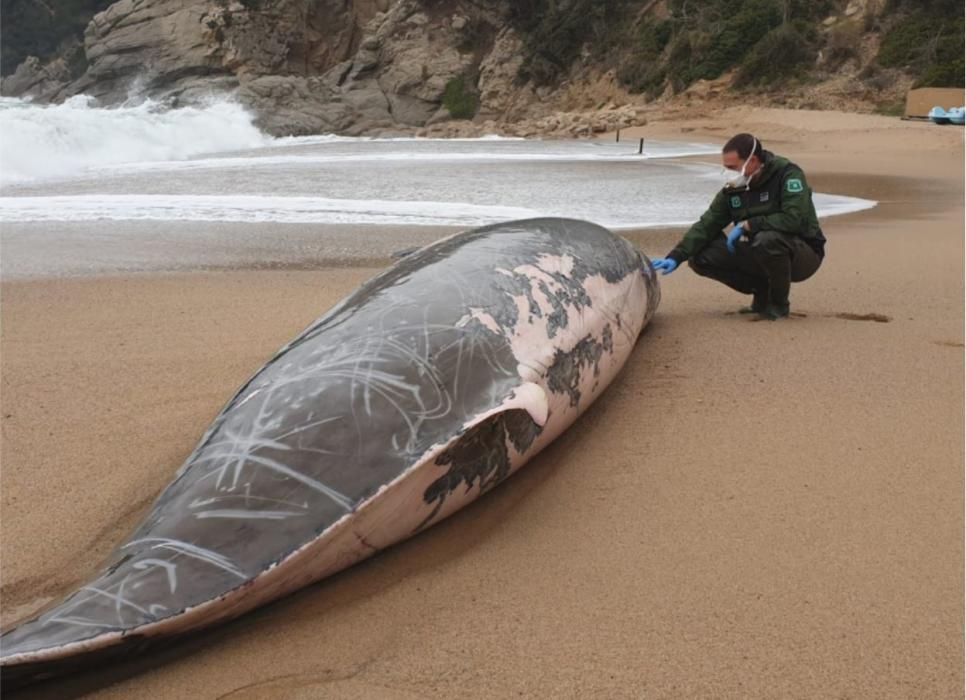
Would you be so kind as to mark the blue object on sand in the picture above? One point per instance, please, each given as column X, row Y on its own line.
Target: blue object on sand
column 938, row 115
column 957, row 115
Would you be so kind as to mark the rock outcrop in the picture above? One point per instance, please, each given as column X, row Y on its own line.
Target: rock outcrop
column 460, row 67
column 313, row 66
column 395, row 79
column 41, row 82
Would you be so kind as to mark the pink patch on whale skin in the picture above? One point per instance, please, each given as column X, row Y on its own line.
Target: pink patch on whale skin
column 628, row 299
column 563, row 264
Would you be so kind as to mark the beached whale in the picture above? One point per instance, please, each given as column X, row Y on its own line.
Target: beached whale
column 427, row 386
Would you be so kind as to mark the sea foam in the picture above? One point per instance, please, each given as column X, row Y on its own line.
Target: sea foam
column 40, row 142
column 324, row 210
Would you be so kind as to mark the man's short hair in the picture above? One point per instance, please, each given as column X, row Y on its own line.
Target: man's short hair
column 742, row 145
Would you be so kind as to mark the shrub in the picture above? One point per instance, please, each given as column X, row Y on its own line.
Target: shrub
column 714, row 36
column 643, row 71
column 782, row 54
column 644, row 78
column 903, row 44
column 948, row 74
column 726, row 47
column 929, row 42
column 679, row 62
column 458, row 100
column 555, row 31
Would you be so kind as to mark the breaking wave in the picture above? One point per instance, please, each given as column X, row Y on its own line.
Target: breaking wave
column 210, row 163
column 43, row 141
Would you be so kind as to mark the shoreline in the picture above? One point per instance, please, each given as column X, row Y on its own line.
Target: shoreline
column 54, row 250
column 752, row 509
column 234, row 247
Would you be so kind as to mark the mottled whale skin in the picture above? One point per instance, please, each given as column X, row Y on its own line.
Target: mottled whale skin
column 427, row 386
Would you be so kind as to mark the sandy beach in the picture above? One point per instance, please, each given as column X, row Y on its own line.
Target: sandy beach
column 752, row 509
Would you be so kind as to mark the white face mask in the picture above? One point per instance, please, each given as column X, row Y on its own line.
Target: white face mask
column 735, row 180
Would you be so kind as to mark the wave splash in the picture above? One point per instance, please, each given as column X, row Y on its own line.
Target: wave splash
column 39, row 142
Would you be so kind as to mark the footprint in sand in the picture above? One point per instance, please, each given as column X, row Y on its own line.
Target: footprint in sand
column 878, row 318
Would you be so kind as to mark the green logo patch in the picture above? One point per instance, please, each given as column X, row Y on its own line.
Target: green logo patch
column 736, row 202
column 794, row 185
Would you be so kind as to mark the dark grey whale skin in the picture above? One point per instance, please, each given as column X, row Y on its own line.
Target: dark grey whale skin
column 339, row 412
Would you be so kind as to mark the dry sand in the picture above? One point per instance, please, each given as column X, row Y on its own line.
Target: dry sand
column 751, row 510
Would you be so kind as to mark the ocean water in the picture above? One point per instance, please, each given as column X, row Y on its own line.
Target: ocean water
column 74, row 171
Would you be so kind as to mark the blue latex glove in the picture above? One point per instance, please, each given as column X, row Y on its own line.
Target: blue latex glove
column 733, row 237
column 665, row 265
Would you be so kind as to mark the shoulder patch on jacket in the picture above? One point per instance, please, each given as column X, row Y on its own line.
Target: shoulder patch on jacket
column 793, row 184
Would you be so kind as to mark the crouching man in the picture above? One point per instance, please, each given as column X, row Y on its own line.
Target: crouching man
column 776, row 239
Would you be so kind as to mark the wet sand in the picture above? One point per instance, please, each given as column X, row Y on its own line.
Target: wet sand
column 751, row 510
column 83, row 249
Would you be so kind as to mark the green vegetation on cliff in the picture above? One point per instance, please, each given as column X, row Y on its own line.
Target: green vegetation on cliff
column 926, row 38
column 556, row 31
column 459, row 100
column 673, row 43
column 652, row 45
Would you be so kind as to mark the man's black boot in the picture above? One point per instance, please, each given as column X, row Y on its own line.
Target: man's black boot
column 759, row 301
column 773, row 312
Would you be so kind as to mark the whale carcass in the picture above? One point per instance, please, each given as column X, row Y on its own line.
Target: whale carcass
column 424, row 388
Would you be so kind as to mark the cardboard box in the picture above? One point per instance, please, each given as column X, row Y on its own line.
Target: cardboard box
column 921, row 100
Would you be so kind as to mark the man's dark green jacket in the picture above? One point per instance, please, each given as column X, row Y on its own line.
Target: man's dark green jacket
column 777, row 199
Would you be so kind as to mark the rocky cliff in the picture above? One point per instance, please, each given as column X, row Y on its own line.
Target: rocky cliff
column 303, row 66
column 429, row 66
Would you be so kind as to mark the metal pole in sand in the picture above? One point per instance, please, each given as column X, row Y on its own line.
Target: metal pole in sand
column 640, row 148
